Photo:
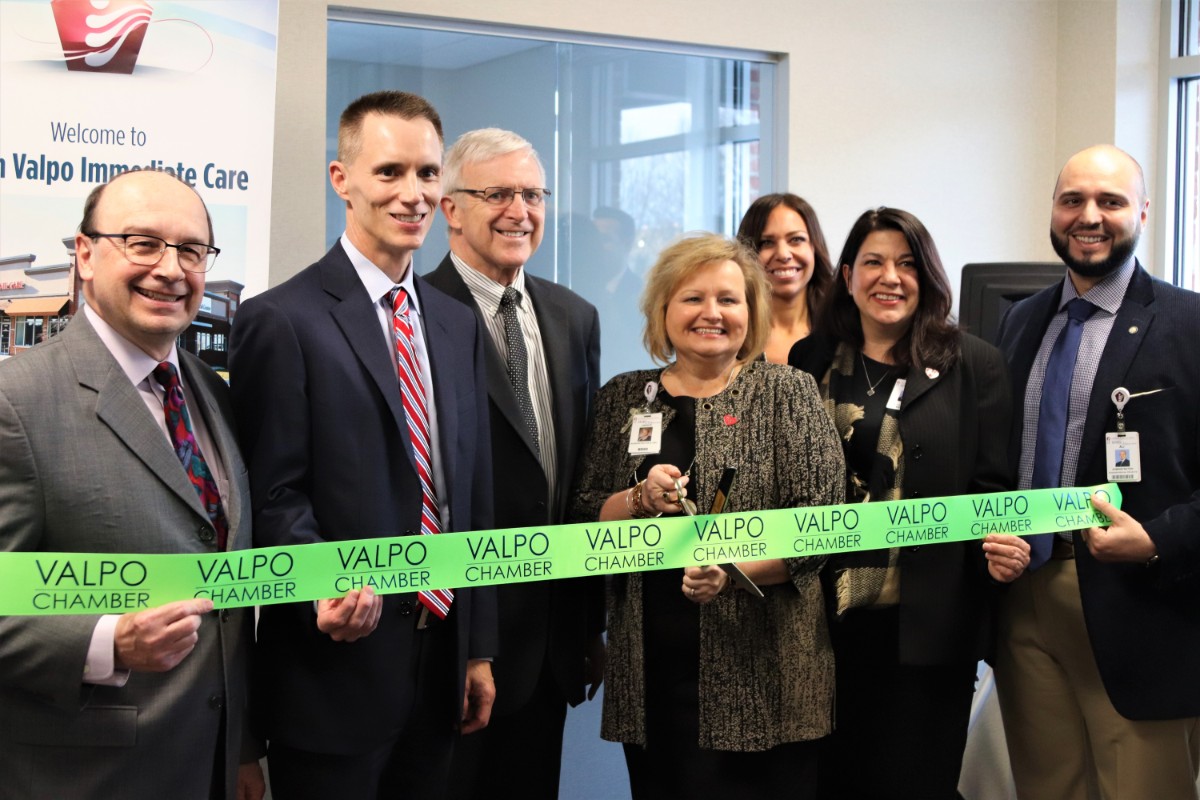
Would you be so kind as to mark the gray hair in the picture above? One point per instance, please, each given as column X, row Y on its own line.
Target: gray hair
column 479, row 145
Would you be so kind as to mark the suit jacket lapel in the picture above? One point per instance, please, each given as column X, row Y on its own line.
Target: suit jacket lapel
column 500, row 391
column 552, row 318
column 916, row 383
column 1024, row 353
column 439, row 343
column 1128, row 332
column 356, row 317
column 119, row 405
column 222, row 437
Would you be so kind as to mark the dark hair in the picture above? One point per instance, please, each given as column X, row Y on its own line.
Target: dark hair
column 389, row 103
column 754, row 222
column 88, row 223
column 933, row 338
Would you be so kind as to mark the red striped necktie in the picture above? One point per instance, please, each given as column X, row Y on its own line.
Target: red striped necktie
column 179, row 426
column 412, row 391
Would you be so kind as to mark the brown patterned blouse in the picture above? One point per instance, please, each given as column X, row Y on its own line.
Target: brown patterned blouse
column 766, row 667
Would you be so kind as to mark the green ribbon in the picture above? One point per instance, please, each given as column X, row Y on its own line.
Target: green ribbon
column 77, row 583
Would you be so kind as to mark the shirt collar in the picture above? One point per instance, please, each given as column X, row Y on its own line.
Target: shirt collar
column 377, row 284
column 135, row 362
column 1107, row 294
column 486, row 291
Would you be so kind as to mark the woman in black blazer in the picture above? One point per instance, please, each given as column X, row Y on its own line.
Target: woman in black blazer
column 923, row 410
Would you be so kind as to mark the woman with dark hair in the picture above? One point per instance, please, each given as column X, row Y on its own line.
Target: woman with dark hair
column 708, row 687
column 783, row 229
column 923, row 411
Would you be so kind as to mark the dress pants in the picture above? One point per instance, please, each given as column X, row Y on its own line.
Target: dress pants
column 1063, row 733
column 414, row 764
column 680, row 769
column 519, row 752
column 900, row 729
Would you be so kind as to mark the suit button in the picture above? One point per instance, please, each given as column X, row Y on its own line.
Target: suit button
column 917, row 453
column 914, row 495
column 216, row 702
column 206, row 534
column 405, row 608
column 224, row 615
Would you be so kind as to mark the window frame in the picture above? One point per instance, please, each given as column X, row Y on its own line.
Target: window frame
column 1175, row 69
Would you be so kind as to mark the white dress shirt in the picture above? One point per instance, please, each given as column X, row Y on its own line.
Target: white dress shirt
column 379, row 286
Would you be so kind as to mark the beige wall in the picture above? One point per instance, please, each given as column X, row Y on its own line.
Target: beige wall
column 960, row 111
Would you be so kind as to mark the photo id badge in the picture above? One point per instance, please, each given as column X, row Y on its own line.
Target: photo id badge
column 897, row 395
column 645, row 434
column 1124, row 457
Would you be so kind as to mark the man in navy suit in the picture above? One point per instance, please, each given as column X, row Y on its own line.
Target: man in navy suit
column 550, row 631
column 1099, row 648
column 365, row 695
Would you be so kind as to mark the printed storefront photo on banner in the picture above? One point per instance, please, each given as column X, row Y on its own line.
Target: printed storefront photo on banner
column 93, row 88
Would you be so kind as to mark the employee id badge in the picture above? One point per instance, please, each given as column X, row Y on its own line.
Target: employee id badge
column 1124, row 457
column 897, row 395
column 645, row 434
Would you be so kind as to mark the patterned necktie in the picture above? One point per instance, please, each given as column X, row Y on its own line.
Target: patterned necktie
column 412, row 392
column 179, row 425
column 518, row 361
column 1053, row 414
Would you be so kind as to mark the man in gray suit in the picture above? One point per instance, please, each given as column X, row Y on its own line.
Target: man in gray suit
column 147, row 703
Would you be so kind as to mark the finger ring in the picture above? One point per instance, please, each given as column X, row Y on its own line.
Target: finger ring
column 666, row 493
column 693, row 592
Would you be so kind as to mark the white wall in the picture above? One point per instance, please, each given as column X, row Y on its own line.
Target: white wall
column 1107, row 85
column 960, row 111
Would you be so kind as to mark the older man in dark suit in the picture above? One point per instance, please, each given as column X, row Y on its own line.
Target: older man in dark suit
column 114, row 441
column 543, row 358
column 1100, row 640
column 359, row 391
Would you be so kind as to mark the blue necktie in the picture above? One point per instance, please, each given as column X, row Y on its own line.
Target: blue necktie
column 1052, row 415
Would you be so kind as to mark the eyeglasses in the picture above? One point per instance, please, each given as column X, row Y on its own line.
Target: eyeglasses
column 148, row 250
column 502, row 196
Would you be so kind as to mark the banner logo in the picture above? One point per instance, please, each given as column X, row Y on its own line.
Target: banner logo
column 101, row 35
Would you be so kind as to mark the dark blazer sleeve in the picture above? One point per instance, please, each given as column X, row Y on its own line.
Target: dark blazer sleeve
column 267, row 364
column 595, row 611
column 991, row 392
column 483, row 637
column 41, row 655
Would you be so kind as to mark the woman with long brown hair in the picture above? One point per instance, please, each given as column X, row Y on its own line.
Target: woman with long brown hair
column 785, row 232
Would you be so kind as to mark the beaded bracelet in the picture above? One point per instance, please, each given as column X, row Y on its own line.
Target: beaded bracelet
column 633, row 503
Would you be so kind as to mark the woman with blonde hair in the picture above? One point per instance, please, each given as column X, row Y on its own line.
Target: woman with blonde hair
column 706, row 685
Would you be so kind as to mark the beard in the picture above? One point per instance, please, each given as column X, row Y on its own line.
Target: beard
column 1118, row 254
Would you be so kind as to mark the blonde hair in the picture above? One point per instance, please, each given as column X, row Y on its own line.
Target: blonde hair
column 685, row 258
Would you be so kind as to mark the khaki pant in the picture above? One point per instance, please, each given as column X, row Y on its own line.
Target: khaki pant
column 1063, row 733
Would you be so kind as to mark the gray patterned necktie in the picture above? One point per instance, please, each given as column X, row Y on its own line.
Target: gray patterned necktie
column 518, row 360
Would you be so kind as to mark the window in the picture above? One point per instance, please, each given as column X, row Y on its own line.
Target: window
column 28, row 331
column 1181, row 73
column 5, row 332
column 654, row 140
column 57, row 324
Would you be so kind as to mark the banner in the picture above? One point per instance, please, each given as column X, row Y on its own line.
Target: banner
column 73, row 583
column 92, row 88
